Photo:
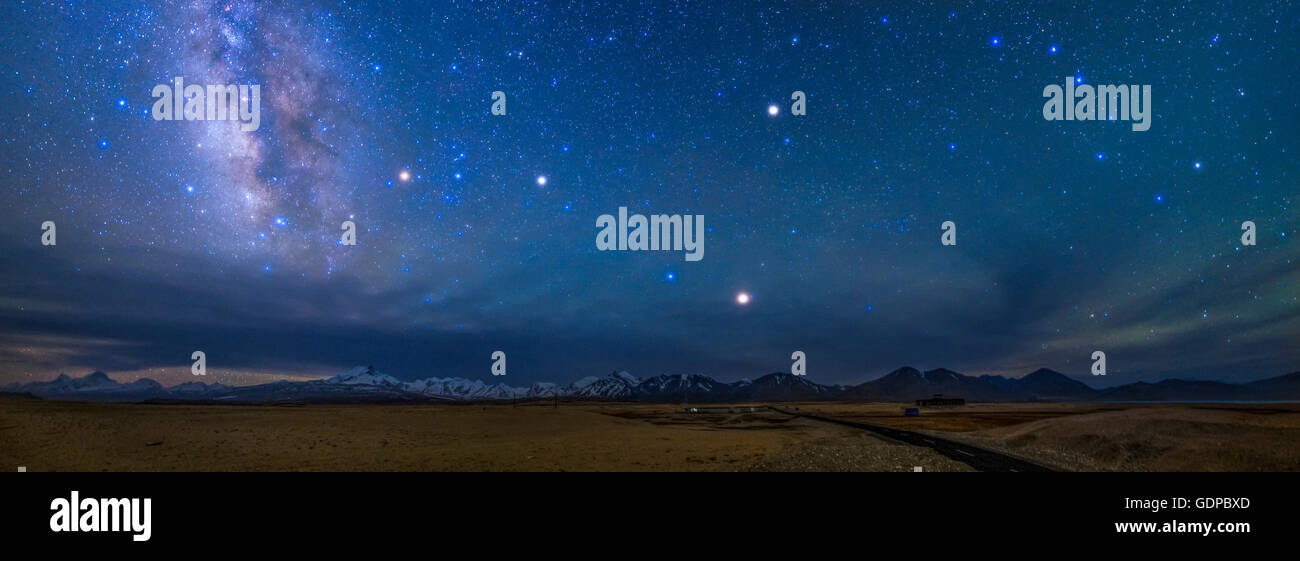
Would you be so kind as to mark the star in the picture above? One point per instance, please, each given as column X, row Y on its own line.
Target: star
column 773, row 110
column 541, row 180
column 742, row 298
column 404, row 176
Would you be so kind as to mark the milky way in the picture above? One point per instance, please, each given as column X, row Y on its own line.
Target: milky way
column 475, row 232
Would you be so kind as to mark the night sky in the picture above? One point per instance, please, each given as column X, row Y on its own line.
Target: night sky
column 476, row 232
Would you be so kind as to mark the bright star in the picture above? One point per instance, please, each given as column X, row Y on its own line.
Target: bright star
column 541, row 180
column 404, row 175
column 773, row 110
column 742, row 298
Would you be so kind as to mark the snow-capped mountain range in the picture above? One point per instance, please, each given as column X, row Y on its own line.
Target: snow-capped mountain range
column 358, row 384
column 364, row 384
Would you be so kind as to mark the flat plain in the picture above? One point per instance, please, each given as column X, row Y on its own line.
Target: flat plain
column 1109, row 436
column 68, row 436
column 64, row 436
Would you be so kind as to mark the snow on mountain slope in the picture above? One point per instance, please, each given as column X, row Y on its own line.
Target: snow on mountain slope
column 365, row 376
column 616, row 385
column 545, row 389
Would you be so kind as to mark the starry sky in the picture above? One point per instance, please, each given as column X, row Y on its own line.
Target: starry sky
column 476, row 232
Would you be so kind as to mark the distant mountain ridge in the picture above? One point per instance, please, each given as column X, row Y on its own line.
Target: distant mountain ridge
column 364, row 384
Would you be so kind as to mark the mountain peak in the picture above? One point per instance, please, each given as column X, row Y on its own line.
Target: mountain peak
column 904, row 372
column 365, row 376
column 1045, row 372
column 784, row 385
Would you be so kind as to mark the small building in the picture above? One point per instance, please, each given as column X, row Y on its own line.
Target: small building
column 716, row 410
column 940, row 401
column 723, row 409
